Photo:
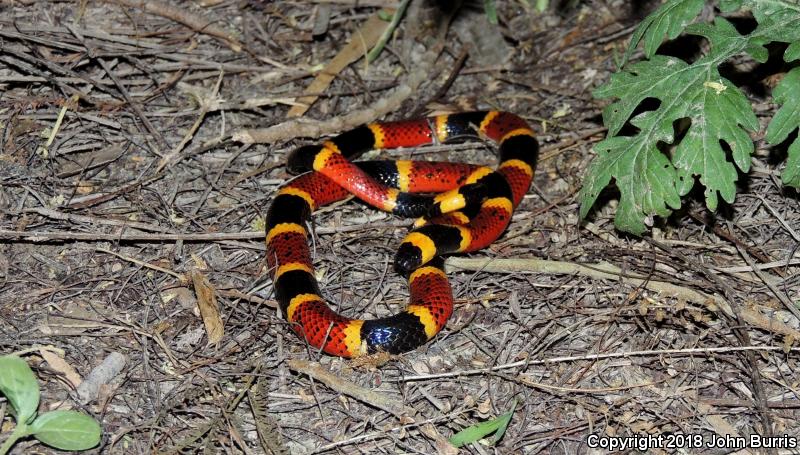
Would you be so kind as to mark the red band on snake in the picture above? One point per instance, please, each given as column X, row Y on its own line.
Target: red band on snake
column 471, row 208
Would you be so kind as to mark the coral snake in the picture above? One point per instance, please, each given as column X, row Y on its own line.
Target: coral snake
column 462, row 208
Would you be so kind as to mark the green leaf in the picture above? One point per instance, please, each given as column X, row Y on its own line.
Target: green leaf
column 479, row 430
column 20, row 387
column 786, row 120
column 719, row 115
column 644, row 177
column 649, row 182
column 725, row 40
column 787, row 94
column 729, row 5
column 491, row 11
column 669, row 19
column 661, row 77
column 725, row 111
column 791, row 175
column 778, row 11
column 792, row 52
column 66, row 430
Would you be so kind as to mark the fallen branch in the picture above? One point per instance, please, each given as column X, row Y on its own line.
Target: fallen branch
column 66, row 235
column 315, row 128
column 607, row 271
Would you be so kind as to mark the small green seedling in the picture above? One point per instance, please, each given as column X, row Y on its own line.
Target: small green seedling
column 65, row 430
column 479, row 430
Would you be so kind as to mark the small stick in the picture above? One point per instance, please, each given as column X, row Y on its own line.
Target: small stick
column 49, row 236
column 205, row 103
column 308, row 128
column 611, row 272
column 56, row 215
column 340, row 385
column 594, row 358
column 601, row 270
column 457, row 67
column 180, row 277
column 196, row 23
column 100, row 375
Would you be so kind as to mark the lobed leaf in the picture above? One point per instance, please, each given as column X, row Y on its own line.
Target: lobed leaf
column 792, row 52
column 643, row 175
column 653, row 78
column 19, row 385
column 726, row 41
column 66, row 430
column 787, row 94
column 778, row 10
column 669, row 19
column 725, row 110
column 786, row 120
column 649, row 182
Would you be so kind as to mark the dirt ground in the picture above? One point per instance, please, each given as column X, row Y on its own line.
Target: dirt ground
column 127, row 178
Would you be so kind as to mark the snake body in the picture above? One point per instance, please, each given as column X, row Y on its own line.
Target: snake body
column 471, row 208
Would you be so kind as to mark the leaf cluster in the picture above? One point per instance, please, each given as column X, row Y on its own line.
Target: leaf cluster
column 652, row 181
column 63, row 429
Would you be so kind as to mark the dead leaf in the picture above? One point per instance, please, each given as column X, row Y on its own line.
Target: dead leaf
column 61, row 365
column 207, row 303
column 358, row 46
column 200, row 263
column 443, row 446
column 181, row 295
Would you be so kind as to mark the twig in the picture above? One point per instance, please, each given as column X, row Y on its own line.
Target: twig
column 378, row 3
column 462, row 58
column 101, row 375
column 121, row 88
column 768, row 265
column 791, row 306
column 340, row 385
column 523, row 379
column 71, row 104
column 780, row 219
column 144, row 264
column 737, row 323
column 205, row 104
column 50, row 236
column 601, row 271
column 71, row 217
column 595, row 357
column 728, row 235
column 315, row 128
column 611, row 272
column 196, row 23
column 366, row 35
